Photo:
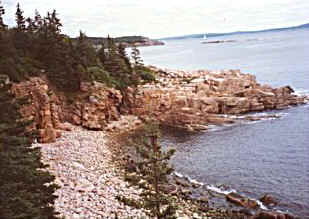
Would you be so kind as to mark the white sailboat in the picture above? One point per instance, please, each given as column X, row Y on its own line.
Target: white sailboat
column 205, row 38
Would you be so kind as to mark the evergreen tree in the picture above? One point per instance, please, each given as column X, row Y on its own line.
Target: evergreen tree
column 153, row 167
column 123, row 54
column 140, row 71
column 26, row 189
column 9, row 57
column 20, row 20
column 30, row 25
column 84, row 51
column 115, row 63
column 102, row 53
column 2, row 12
column 37, row 20
column 136, row 57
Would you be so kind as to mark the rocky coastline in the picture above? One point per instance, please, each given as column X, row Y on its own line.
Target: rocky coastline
column 197, row 99
column 73, row 131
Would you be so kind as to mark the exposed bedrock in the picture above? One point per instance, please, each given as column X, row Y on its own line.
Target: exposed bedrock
column 189, row 100
column 201, row 97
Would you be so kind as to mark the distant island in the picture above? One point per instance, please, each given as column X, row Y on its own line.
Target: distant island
column 232, row 33
column 127, row 41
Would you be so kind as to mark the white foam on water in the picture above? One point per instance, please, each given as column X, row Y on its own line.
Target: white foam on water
column 178, row 174
column 262, row 206
column 194, row 181
column 220, row 191
column 217, row 189
column 301, row 92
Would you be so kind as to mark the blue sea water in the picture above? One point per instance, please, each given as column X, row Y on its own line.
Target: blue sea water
column 270, row 156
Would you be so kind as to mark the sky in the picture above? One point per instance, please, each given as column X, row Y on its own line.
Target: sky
column 165, row 18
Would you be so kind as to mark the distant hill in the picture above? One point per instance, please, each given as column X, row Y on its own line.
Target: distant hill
column 127, row 41
column 236, row 32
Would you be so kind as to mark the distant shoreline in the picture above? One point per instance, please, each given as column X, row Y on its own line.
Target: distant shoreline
column 306, row 25
column 126, row 41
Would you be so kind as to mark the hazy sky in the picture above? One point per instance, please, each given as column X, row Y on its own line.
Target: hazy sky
column 161, row 18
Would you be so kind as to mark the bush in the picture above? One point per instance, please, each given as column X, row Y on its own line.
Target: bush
column 98, row 74
column 146, row 74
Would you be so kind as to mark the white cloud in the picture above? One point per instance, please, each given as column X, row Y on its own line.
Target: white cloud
column 166, row 17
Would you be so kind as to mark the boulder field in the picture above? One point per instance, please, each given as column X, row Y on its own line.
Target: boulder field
column 190, row 100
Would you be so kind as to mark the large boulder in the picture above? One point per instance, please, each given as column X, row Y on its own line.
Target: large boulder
column 273, row 215
column 269, row 200
column 242, row 201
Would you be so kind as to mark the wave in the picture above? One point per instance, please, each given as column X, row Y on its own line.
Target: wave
column 301, row 92
column 217, row 189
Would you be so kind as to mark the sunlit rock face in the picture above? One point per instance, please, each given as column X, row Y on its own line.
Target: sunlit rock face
column 197, row 98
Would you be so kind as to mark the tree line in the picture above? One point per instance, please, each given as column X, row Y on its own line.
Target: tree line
column 36, row 46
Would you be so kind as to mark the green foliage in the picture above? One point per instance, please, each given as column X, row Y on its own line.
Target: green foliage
column 36, row 46
column 146, row 74
column 26, row 189
column 135, row 54
column 153, row 168
column 116, row 61
column 141, row 71
column 98, row 74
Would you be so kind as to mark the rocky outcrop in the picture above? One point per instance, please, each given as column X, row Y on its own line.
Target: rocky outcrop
column 190, row 100
column 95, row 106
column 43, row 108
column 200, row 97
column 92, row 107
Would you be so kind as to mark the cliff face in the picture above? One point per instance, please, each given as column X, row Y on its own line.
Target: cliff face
column 184, row 99
column 93, row 107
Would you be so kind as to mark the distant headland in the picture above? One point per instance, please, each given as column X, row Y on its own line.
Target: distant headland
column 127, row 41
column 236, row 32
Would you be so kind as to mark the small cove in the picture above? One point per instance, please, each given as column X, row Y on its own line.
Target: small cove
column 269, row 156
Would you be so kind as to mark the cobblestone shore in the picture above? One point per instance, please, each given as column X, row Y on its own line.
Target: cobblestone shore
column 81, row 161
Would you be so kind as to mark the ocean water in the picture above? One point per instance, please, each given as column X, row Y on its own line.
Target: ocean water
column 270, row 156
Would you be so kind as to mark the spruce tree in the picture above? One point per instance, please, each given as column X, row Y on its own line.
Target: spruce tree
column 26, row 189
column 115, row 63
column 123, row 54
column 2, row 12
column 154, row 168
column 136, row 57
column 101, row 53
column 20, row 20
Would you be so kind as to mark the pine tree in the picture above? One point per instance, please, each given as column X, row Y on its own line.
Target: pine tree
column 154, row 168
column 102, row 53
column 37, row 19
column 2, row 12
column 115, row 64
column 136, row 58
column 123, row 54
column 20, row 20
column 140, row 71
column 26, row 189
